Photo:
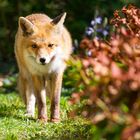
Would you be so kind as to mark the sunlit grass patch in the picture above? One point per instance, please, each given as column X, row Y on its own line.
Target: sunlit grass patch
column 14, row 125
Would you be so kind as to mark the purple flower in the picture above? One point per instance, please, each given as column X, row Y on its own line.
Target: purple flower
column 89, row 31
column 105, row 32
column 92, row 23
column 98, row 20
column 98, row 28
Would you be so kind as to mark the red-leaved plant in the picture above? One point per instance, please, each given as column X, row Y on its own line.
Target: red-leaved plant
column 110, row 75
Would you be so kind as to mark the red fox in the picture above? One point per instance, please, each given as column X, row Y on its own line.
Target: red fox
column 42, row 47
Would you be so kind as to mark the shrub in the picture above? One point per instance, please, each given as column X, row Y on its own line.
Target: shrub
column 110, row 74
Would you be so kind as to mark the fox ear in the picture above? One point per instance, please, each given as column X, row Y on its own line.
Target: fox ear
column 58, row 21
column 26, row 26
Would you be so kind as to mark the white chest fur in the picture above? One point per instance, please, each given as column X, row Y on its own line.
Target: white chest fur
column 55, row 65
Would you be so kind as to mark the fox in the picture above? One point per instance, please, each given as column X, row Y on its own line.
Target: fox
column 42, row 47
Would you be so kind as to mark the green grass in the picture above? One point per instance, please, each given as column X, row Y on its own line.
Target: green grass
column 15, row 126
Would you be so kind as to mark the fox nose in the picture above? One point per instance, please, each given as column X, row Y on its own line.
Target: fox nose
column 42, row 60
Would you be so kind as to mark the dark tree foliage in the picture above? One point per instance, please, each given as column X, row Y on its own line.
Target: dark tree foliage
column 79, row 14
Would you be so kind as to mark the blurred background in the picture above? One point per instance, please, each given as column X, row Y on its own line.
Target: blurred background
column 79, row 14
column 105, row 65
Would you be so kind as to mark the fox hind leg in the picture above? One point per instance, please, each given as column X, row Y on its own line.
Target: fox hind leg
column 22, row 87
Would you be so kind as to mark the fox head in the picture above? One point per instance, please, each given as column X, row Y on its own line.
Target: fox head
column 42, row 37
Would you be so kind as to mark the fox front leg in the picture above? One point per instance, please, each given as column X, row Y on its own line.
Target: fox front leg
column 56, row 84
column 40, row 94
column 30, row 102
column 26, row 91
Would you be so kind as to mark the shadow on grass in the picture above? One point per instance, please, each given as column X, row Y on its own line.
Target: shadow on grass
column 11, row 107
column 10, row 111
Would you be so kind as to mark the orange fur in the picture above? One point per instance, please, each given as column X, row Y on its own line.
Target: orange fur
column 42, row 45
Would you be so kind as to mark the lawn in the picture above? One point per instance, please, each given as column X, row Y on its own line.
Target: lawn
column 15, row 126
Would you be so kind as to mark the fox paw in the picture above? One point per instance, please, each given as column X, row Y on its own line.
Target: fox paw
column 29, row 115
column 55, row 120
column 42, row 119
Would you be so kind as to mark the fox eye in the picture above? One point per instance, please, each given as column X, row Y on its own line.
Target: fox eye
column 50, row 45
column 34, row 46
